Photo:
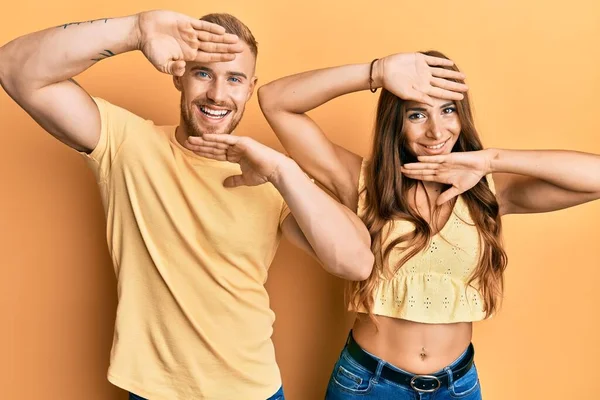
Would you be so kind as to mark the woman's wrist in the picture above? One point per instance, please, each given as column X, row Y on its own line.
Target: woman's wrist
column 377, row 73
column 493, row 160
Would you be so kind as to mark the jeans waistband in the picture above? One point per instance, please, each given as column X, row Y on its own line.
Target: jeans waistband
column 420, row 383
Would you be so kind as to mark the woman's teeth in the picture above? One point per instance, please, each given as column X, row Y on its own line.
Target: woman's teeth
column 437, row 146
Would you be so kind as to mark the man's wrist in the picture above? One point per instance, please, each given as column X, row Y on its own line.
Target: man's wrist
column 136, row 33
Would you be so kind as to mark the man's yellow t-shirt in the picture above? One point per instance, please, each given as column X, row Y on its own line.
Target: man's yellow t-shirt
column 191, row 259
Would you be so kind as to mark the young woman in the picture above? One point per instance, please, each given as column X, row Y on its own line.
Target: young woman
column 431, row 197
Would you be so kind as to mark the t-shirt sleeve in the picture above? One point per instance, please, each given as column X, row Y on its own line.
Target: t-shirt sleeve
column 285, row 211
column 114, row 122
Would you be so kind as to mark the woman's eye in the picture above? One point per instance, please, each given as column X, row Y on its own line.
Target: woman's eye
column 415, row 116
column 449, row 110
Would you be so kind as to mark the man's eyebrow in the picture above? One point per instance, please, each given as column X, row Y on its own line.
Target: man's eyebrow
column 235, row 73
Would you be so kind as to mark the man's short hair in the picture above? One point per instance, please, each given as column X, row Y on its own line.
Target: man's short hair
column 235, row 26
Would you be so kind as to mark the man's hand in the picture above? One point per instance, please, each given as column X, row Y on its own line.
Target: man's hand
column 259, row 163
column 169, row 40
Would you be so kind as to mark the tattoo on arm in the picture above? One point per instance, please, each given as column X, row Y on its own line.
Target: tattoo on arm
column 83, row 22
column 105, row 54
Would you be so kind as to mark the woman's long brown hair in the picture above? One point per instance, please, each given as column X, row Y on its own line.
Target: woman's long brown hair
column 386, row 199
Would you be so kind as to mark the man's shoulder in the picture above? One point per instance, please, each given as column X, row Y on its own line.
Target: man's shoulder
column 115, row 112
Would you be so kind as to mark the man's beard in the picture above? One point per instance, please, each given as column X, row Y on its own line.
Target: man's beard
column 193, row 127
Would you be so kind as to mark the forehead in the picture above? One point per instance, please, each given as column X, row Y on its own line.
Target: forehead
column 244, row 62
column 437, row 102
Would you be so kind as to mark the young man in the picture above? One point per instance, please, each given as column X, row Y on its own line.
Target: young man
column 191, row 239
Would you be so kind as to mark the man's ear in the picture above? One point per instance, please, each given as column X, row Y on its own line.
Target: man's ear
column 252, row 87
column 177, row 82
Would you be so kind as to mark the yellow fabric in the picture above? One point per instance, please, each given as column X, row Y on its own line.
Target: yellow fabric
column 191, row 258
column 431, row 287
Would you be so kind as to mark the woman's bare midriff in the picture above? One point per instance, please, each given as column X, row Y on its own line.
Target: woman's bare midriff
column 412, row 346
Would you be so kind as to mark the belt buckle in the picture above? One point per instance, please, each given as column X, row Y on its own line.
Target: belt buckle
column 432, row 377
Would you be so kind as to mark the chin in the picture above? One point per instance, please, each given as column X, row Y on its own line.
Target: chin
column 199, row 130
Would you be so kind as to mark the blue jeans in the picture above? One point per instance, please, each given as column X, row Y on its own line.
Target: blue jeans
column 351, row 381
column 276, row 396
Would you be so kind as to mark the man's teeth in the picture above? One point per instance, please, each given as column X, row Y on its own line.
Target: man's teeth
column 437, row 146
column 214, row 113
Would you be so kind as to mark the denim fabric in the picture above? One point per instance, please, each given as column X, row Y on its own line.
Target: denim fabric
column 350, row 381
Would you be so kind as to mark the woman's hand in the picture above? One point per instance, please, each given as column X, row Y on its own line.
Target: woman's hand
column 418, row 77
column 462, row 170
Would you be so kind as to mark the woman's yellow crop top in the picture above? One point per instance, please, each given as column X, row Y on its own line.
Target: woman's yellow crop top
column 431, row 287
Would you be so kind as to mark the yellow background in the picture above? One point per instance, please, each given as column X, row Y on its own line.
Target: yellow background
column 534, row 72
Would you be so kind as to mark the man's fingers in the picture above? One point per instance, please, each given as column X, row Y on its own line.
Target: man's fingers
column 221, row 138
column 203, row 57
column 208, row 150
column 176, row 68
column 199, row 141
column 233, row 181
column 211, row 47
column 201, row 25
column 227, row 38
column 219, row 157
